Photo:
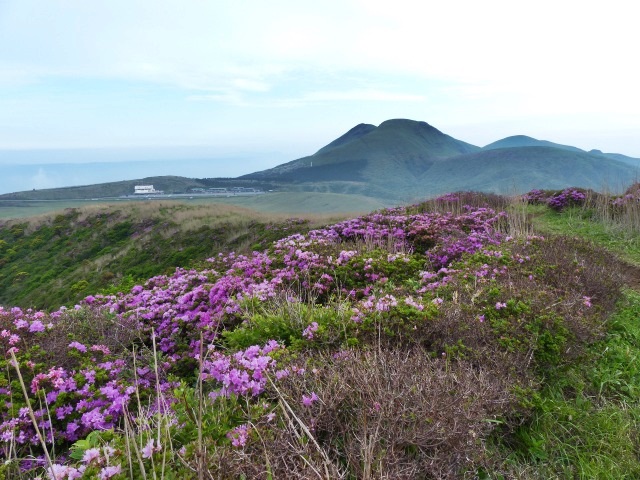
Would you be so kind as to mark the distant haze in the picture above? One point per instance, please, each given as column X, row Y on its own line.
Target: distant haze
column 40, row 169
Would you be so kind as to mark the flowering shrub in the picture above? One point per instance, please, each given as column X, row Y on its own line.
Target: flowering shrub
column 558, row 200
column 569, row 197
column 449, row 282
column 536, row 197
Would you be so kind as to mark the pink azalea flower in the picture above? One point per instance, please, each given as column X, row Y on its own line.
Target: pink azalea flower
column 108, row 472
column 308, row 400
column 91, row 455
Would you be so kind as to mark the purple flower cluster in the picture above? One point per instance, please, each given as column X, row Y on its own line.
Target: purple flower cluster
column 558, row 200
column 627, row 199
column 536, row 197
column 243, row 373
column 187, row 311
column 93, row 458
column 569, row 197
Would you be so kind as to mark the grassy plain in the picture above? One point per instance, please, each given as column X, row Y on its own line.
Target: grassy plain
column 284, row 203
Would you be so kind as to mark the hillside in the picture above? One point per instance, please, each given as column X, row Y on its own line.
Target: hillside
column 168, row 184
column 404, row 160
column 525, row 141
column 520, row 169
column 59, row 258
column 447, row 339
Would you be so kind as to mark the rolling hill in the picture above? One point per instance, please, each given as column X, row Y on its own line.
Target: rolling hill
column 376, row 161
column 518, row 169
column 407, row 160
column 516, row 141
column 403, row 160
column 524, row 141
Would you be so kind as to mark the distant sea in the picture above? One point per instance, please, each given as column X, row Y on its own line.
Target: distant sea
column 38, row 176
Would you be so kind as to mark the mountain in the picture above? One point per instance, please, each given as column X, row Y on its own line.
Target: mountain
column 408, row 160
column 619, row 157
column 378, row 161
column 521, row 169
column 524, row 141
column 405, row 160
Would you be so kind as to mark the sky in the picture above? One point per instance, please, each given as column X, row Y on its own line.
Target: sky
column 263, row 82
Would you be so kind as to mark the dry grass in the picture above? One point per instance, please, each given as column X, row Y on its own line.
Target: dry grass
column 188, row 216
column 623, row 218
column 387, row 414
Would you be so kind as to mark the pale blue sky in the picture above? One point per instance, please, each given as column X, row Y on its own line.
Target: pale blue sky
column 281, row 78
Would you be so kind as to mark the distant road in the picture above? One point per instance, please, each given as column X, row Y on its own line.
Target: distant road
column 187, row 195
column 143, row 197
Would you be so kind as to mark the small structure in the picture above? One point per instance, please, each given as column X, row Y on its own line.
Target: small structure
column 244, row 190
column 146, row 190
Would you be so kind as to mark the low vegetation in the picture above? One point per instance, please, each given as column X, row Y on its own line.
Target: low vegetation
column 448, row 339
column 57, row 259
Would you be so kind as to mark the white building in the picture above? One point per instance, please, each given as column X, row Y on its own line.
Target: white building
column 145, row 190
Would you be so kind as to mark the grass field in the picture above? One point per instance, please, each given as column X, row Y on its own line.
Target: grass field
column 28, row 208
column 289, row 203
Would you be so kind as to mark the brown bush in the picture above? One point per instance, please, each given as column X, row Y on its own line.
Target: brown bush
column 89, row 327
column 454, row 202
column 579, row 268
column 395, row 414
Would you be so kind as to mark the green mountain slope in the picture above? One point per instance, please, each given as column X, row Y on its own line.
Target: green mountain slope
column 525, row 141
column 402, row 160
column 635, row 162
column 366, row 153
column 512, row 170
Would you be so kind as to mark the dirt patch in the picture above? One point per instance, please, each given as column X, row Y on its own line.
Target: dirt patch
column 632, row 276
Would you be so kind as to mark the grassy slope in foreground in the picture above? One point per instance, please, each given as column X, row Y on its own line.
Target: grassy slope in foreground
column 579, row 222
column 586, row 419
column 410, row 369
column 59, row 258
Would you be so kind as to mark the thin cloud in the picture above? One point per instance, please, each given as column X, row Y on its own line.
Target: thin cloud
column 490, row 61
column 363, row 95
column 369, row 95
